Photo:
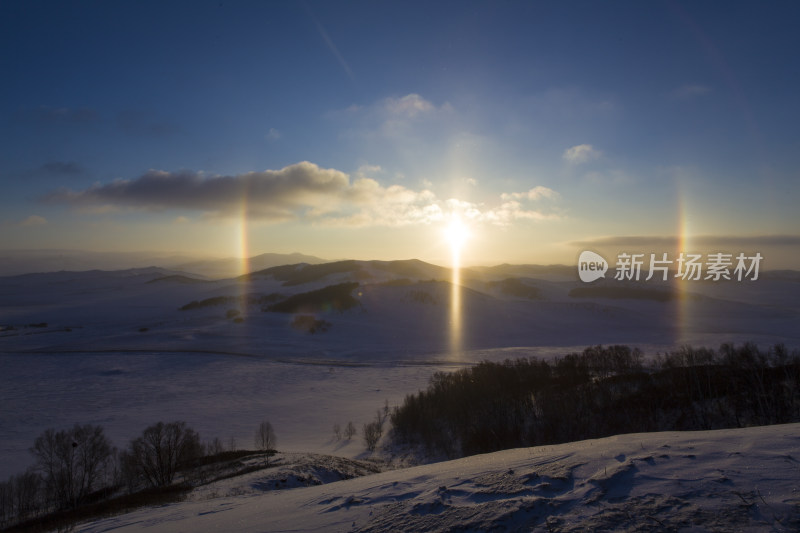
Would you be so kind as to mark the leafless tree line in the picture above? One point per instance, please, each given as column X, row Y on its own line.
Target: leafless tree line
column 77, row 466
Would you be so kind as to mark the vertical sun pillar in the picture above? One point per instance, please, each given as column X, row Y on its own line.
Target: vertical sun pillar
column 244, row 254
column 455, row 304
column 456, row 235
column 684, row 304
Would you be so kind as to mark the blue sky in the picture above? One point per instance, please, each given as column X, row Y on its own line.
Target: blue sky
column 362, row 129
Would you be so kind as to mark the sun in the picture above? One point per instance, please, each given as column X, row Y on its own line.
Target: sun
column 457, row 234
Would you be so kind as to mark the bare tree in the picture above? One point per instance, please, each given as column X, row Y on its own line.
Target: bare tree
column 27, row 489
column 72, row 461
column 337, row 431
column 6, row 502
column 350, row 430
column 373, row 431
column 266, row 440
column 215, row 447
column 372, row 434
column 162, row 448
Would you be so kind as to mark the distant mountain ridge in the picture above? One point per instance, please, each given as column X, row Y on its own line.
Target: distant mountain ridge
column 16, row 262
column 232, row 266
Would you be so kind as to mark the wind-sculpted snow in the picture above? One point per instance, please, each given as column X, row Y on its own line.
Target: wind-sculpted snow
column 727, row 480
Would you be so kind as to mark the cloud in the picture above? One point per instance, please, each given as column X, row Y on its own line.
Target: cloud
column 511, row 211
column 368, row 170
column 410, row 105
column 302, row 191
column 273, row 135
column 393, row 109
column 62, row 115
column 69, row 168
column 33, row 221
column 55, row 169
column 739, row 243
column 405, row 125
column 142, row 123
column 690, row 91
column 581, row 153
column 329, row 42
column 537, row 193
column 270, row 195
column 512, row 208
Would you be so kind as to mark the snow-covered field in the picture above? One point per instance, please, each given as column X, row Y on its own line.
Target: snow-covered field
column 727, row 480
column 113, row 348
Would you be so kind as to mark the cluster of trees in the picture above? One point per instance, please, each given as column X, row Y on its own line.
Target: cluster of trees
column 600, row 392
column 371, row 431
column 333, row 297
column 79, row 466
column 248, row 299
column 515, row 287
column 627, row 293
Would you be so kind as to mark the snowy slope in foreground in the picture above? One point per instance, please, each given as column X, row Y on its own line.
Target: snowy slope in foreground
column 727, row 480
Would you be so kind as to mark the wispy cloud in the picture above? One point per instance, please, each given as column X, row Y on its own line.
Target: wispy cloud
column 56, row 169
column 405, row 109
column 61, row 115
column 69, row 168
column 273, row 135
column 143, row 123
column 689, row 91
column 704, row 241
column 581, row 153
column 536, row 193
column 302, row 191
column 329, row 43
column 33, row 221
column 409, row 105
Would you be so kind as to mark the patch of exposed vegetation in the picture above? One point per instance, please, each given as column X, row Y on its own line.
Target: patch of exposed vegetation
column 625, row 293
column 400, row 282
column 65, row 520
column 515, row 287
column 249, row 299
column 420, row 297
column 331, row 298
column 178, row 278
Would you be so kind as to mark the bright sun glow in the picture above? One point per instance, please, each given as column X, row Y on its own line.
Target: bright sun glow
column 457, row 234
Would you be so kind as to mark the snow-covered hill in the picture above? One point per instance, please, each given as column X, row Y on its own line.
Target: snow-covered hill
column 406, row 311
column 114, row 348
column 727, row 480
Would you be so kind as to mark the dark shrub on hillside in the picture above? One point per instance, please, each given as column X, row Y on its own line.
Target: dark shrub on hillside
column 515, row 287
column 249, row 299
column 331, row 298
column 626, row 293
column 597, row 393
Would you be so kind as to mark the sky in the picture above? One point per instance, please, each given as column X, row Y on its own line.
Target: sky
column 365, row 129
